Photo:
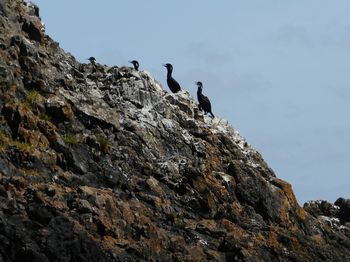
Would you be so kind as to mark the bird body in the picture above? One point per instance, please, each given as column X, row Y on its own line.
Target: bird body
column 204, row 102
column 93, row 63
column 135, row 64
column 92, row 59
column 172, row 83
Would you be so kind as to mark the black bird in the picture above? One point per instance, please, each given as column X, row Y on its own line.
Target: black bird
column 92, row 59
column 136, row 64
column 172, row 83
column 204, row 103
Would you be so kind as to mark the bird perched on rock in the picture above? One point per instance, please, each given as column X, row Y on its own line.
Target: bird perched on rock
column 172, row 83
column 92, row 59
column 204, row 103
column 135, row 64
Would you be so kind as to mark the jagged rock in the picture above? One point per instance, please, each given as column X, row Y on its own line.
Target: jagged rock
column 100, row 163
column 33, row 9
column 39, row 214
column 33, row 30
column 318, row 208
column 344, row 210
column 93, row 111
column 59, row 108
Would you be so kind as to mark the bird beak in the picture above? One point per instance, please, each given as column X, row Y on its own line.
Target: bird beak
column 164, row 65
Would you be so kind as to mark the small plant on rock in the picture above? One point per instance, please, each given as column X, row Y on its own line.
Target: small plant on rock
column 33, row 97
column 6, row 141
column 103, row 141
column 45, row 117
column 3, row 143
column 71, row 139
column 177, row 220
column 22, row 146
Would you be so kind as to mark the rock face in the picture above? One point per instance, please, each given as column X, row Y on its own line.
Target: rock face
column 100, row 163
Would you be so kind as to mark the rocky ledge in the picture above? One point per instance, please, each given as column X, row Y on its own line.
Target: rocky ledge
column 100, row 163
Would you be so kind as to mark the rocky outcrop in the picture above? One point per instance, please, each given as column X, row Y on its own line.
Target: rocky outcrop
column 100, row 163
column 336, row 215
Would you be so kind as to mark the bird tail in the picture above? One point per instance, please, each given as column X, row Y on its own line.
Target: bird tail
column 212, row 115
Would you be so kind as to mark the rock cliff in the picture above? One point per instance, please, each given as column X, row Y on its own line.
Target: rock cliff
column 101, row 163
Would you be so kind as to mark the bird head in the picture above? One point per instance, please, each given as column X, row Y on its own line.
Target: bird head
column 168, row 66
column 135, row 63
column 200, row 85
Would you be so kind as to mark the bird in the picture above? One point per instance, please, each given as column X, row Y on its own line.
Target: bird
column 204, row 103
column 135, row 64
column 92, row 59
column 172, row 83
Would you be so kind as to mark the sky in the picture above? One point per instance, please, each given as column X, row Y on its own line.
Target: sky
column 278, row 71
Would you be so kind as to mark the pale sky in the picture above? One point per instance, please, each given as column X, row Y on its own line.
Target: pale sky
column 277, row 70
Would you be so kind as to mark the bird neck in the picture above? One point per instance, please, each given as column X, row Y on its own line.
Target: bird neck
column 169, row 73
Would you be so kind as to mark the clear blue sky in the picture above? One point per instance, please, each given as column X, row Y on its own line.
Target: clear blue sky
column 277, row 70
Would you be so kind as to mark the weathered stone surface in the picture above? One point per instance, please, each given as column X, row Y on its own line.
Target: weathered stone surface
column 100, row 163
column 59, row 108
column 336, row 215
column 33, row 29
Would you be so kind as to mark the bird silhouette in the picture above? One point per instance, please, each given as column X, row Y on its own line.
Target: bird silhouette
column 172, row 83
column 92, row 59
column 135, row 64
column 204, row 103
